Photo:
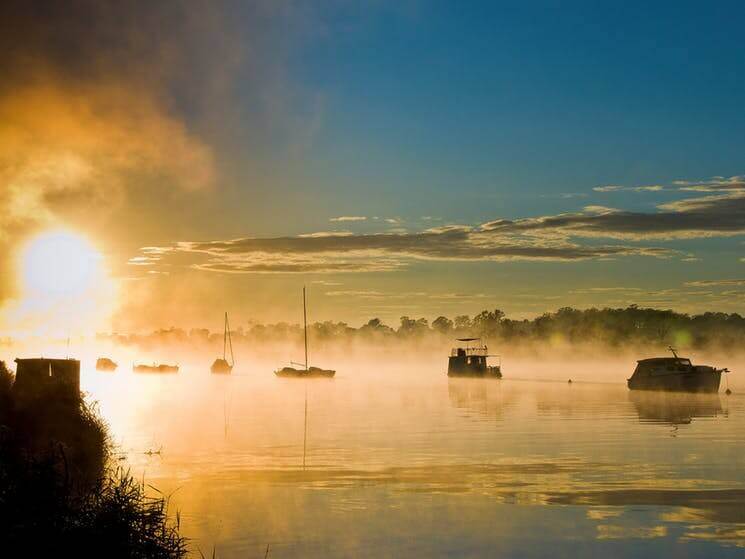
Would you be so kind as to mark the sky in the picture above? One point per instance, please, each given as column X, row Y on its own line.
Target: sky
column 397, row 158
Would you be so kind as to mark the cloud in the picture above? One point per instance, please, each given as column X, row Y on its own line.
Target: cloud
column 617, row 188
column 715, row 283
column 349, row 218
column 379, row 295
column 714, row 184
column 547, row 238
column 718, row 215
column 379, row 252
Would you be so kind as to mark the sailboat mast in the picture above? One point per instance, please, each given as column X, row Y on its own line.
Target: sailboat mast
column 224, row 335
column 230, row 341
column 305, row 329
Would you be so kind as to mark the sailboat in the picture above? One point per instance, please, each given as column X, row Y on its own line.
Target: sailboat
column 306, row 371
column 221, row 366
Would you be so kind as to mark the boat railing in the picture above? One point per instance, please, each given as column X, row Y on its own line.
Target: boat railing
column 469, row 351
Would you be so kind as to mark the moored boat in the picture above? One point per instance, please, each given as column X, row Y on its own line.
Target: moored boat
column 675, row 374
column 305, row 371
column 155, row 368
column 471, row 361
column 221, row 366
column 105, row 364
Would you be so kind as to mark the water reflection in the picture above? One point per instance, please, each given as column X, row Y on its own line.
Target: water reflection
column 479, row 397
column 674, row 408
column 402, row 462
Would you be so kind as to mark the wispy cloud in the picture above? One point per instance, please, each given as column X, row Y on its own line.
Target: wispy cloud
column 716, row 283
column 382, row 252
column 708, row 216
column 713, row 184
column 618, row 188
column 343, row 218
column 556, row 237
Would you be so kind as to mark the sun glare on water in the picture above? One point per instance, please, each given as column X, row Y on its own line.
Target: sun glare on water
column 60, row 264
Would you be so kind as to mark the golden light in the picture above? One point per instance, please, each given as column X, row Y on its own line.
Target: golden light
column 60, row 263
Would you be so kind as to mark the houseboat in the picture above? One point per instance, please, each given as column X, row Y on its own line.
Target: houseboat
column 471, row 360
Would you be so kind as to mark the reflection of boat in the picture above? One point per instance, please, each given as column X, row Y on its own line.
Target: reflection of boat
column 155, row 368
column 105, row 364
column 222, row 365
column 471, row 361
column 674, row 374
column 675, row 408
column 305, row 372
column 476, row 398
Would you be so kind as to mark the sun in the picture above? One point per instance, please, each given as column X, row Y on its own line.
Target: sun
column 60, row 264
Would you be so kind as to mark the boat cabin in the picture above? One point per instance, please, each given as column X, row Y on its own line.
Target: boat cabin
column 47, row 378
column 663, row 365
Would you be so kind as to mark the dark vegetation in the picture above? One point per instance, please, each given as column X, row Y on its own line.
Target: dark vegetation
column 59, row 493
column 631, row 327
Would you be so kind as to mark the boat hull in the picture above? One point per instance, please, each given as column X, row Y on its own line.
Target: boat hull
column 221, row 367
column 155, row 369
column 106, row 365
column 475, row 374
column 689, row 381
column 460, row 368
column 313, row 372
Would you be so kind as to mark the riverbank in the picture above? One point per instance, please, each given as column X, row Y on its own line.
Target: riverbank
column 60, row 491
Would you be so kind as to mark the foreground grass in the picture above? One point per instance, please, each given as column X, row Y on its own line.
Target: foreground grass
column 59, row 493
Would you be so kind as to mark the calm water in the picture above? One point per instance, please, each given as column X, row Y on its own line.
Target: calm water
column 402, row 462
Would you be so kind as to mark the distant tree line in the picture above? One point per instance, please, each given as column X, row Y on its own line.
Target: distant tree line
column 630, row 326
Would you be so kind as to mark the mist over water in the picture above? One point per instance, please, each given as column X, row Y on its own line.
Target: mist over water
column 402, row 461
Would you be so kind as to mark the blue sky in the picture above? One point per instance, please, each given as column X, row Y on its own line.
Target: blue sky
column 511, row 154
column 510, row 102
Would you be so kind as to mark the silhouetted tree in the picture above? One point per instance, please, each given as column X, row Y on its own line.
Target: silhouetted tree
column 442, row 324
column 462, row 323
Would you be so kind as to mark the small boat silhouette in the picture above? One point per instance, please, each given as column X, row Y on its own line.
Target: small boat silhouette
column 105, row 364
column 221, row 366
column 155, row 368
column 305, row 371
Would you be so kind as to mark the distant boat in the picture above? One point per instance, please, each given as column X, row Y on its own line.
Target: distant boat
column 305, row 372
column 470, row 361
column 221, row 366
column 155, row 368
column 105, row 364
column 675, row 374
